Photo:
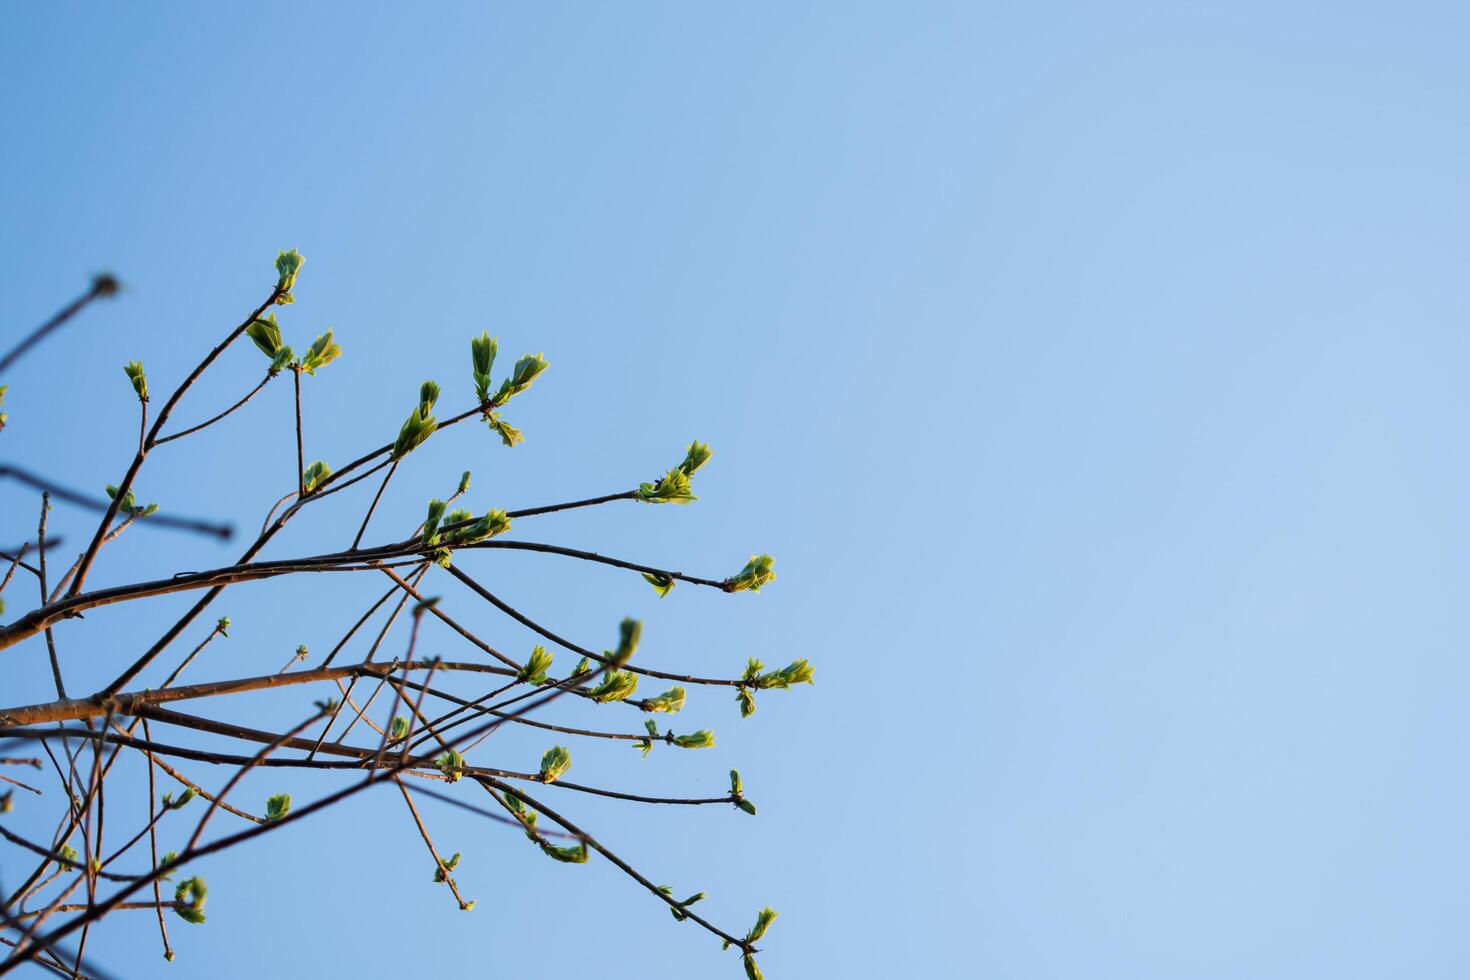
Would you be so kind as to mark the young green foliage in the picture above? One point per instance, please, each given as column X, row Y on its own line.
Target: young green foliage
column 763, row 920
column 439, row 871
column 315, row 475
column 662, row 584
column 288, row 265
column 399, row 728
column 323, row 351
column 756, row 573
column 702, row 739
column 527, row 370
column 674, row 486
column 555, row 763
column 567, row 855
column 678, row 915
column 629, row 632
column 134, row 371
column 617, row 685
column 752, row 972
column 416, row 428
column 431, row 522
column 671, row 701
column 534, row 671
column 266, row 333
column 181, row 802
column 277, row 806
column 189, row 899
column 482, row 359
column 451, row 763
column 494, row 522
column 645, row 745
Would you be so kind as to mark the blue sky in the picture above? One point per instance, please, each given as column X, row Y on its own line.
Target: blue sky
column 1094, row 375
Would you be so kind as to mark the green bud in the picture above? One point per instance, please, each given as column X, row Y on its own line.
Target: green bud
column 756, row 573
column 450, row 865
column 534, row 672
column 735, row 787
column 752, row 972
column 399, row 728
column 646, row 744
column 464, row 483
column 7, row 801
column 582, row 667
column 266, row 333
column 288, row 264
column 567, row 855
column 671, row 488
column 458, row 516
column 315, row 475
column 134, row 371
column 629, row 632
column 283, row 357
column 494, row 522
column 746, row 805
column 555, row 763
column 509, row 434
column 223, row 625
column 431, row 523
column 695, row 456
column 702, row 739
column 321, row 353
column 746, row 700
column 662, row 584
column 527, row 370
column 617, row 685
column 451, row 763
column 482, row 359
column 277, row 806
column 763, row 920
column 671, row 701
column 428, row 395
column 129, row 503
column 181, row 802
column 797, row 672
column 189, row 914
column 68, row 853
column 415, row 430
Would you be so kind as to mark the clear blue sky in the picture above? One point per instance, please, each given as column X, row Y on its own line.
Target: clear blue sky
column 1095, row 373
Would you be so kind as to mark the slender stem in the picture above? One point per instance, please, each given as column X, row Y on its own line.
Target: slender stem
column 206, row 424
column 300, row 456
column 374, row 506
column 127, row 481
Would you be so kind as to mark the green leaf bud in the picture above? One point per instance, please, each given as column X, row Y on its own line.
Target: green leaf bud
column 671, row 701
column 756, row 573
column 266, row 333
column 315, row 475
column 695, row 456
column 451, row 763
column 763, row 920
column 662, row 584
column 629, row 632
column 428, row 396
column 277, row 806
column 534, row 672
column 617, row 685
column 746, row 700
column 134, row 371
column 702, row 739
column 567, row 855
column 288, row 265
column 321, row 353
column 555, row 763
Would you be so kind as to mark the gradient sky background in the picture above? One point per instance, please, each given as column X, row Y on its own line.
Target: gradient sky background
column 1095, row 374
